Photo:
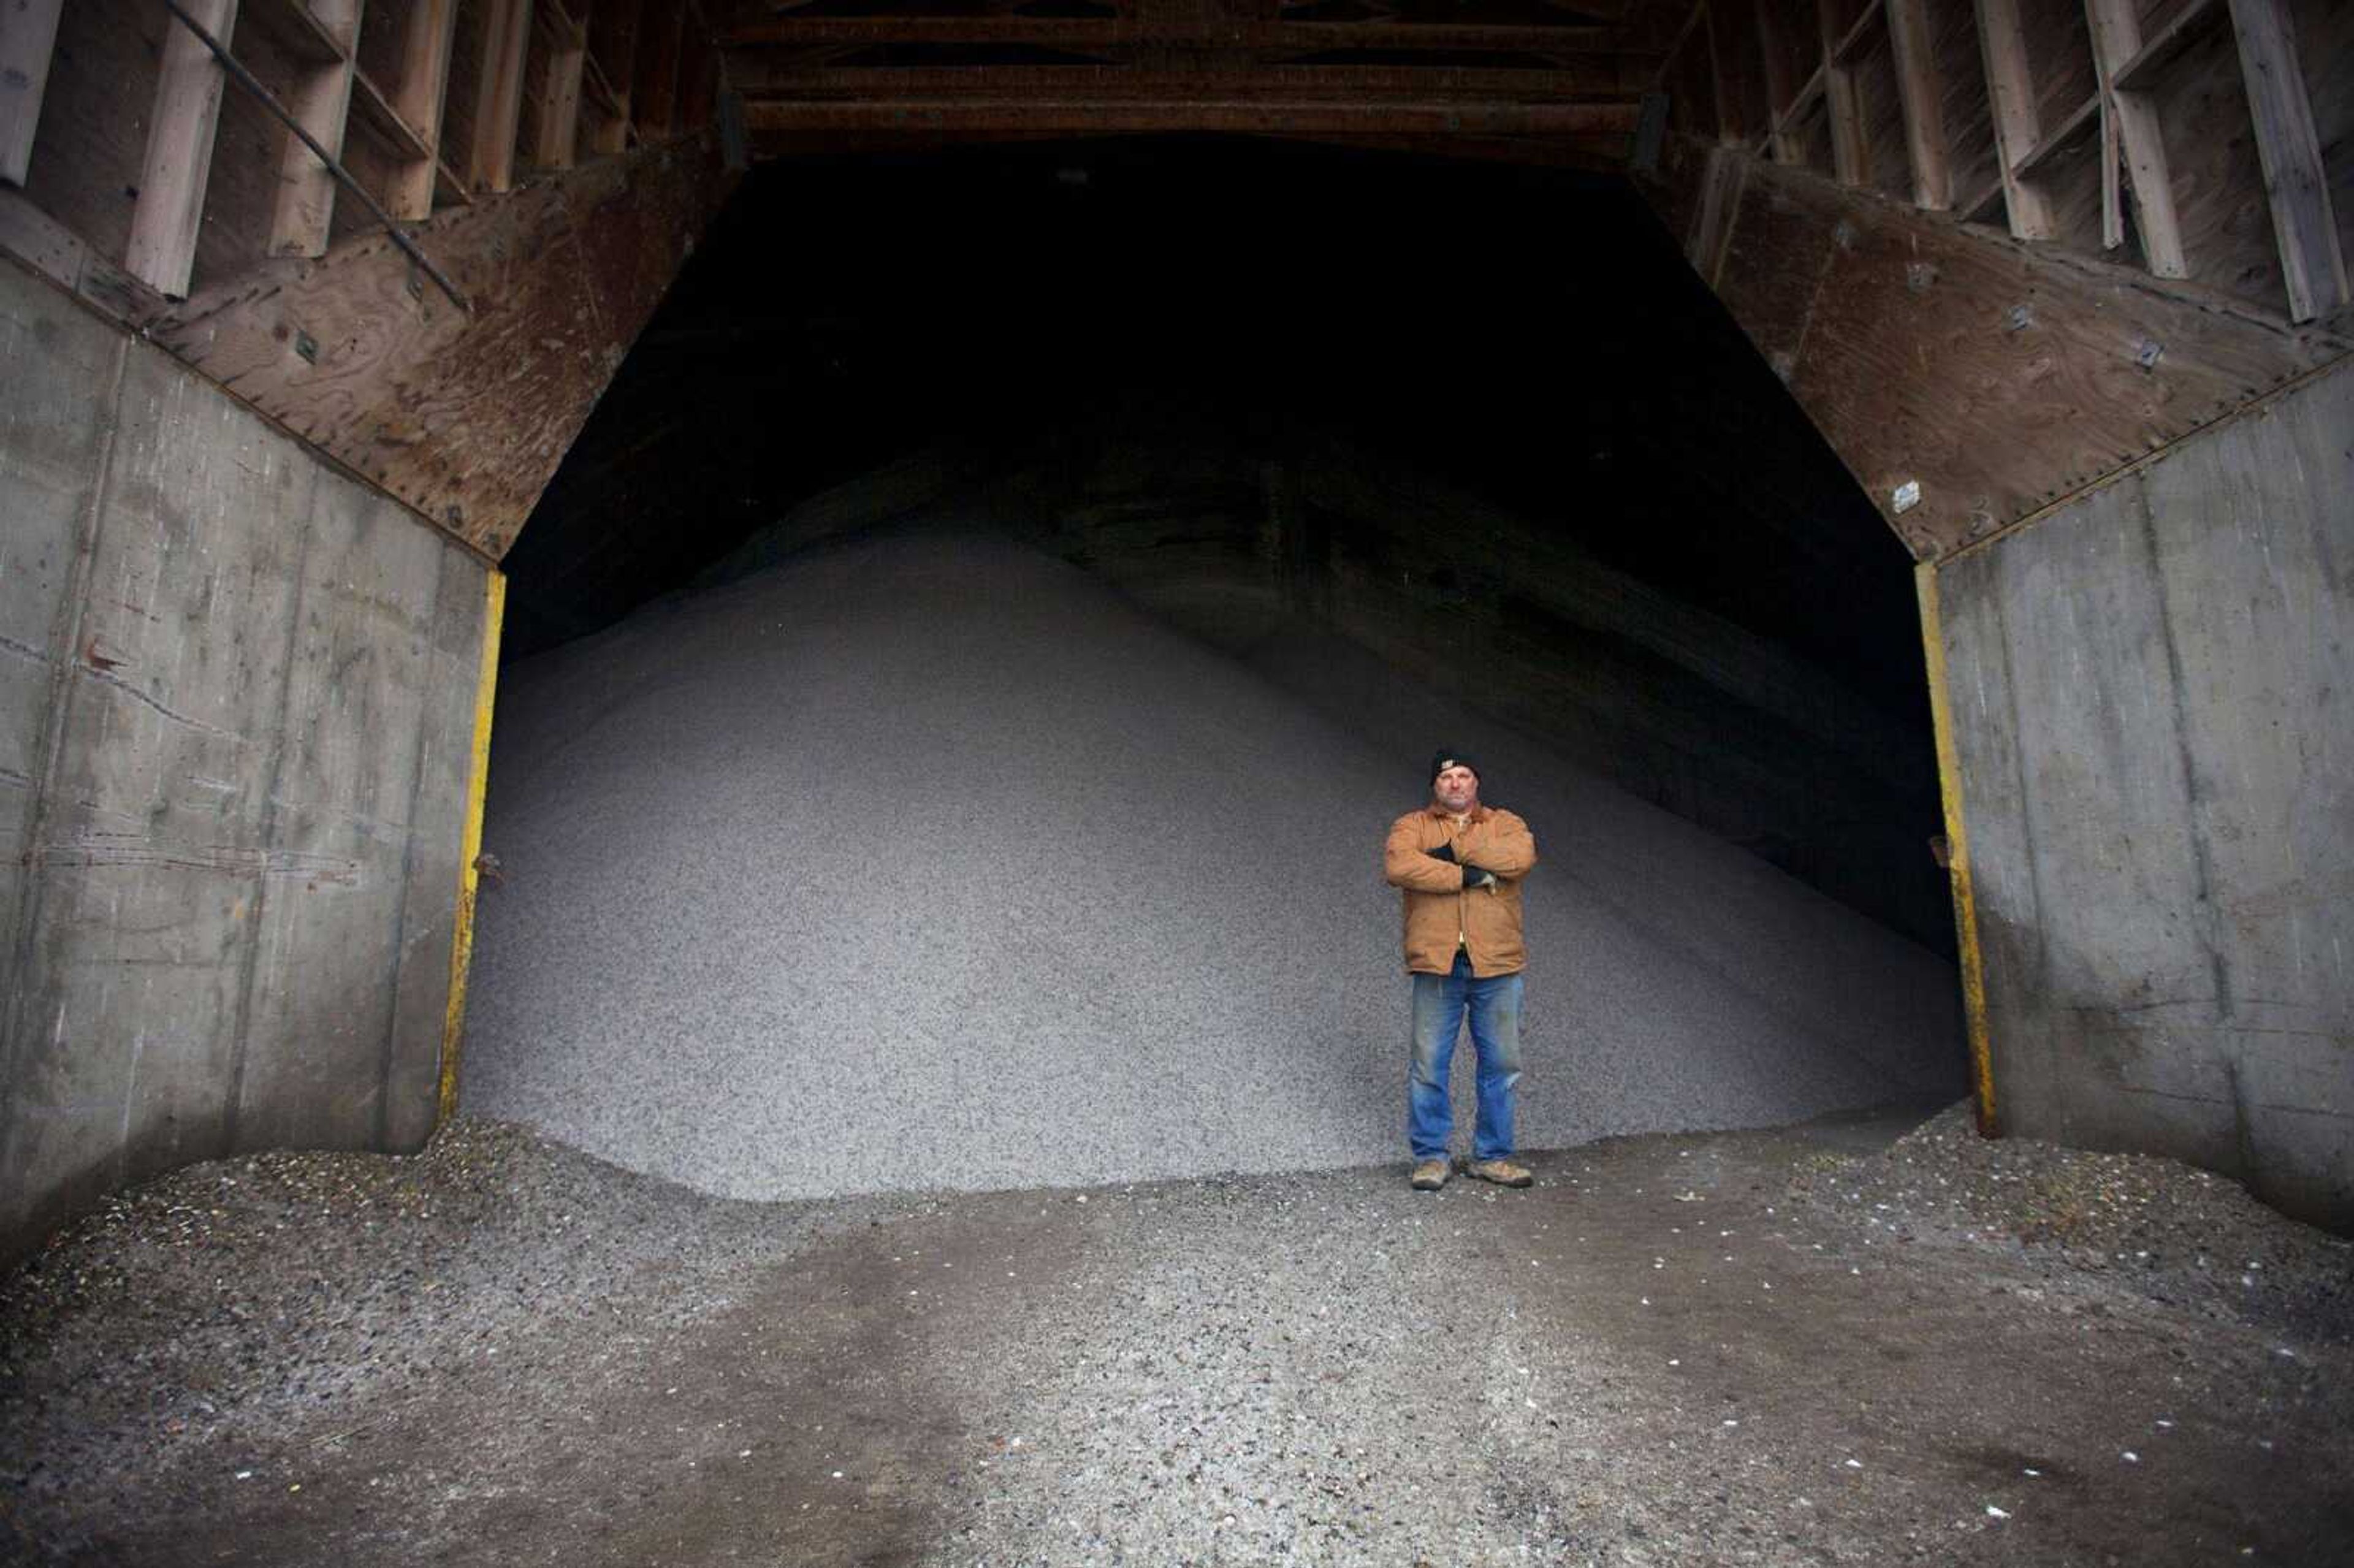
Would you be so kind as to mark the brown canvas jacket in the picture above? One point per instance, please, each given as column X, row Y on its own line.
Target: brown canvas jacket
column 1440, row 911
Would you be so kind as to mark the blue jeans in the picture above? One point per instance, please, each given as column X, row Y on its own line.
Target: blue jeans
column 1439, row 1004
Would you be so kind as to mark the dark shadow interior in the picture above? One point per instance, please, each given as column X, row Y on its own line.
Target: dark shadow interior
column 1157, row 356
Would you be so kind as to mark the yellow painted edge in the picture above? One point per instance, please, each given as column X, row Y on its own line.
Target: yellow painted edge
column 1957, row 844
column 462, row 941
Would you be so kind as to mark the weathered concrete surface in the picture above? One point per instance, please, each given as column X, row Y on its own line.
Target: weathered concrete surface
column 2151, row 699
column 236, row 697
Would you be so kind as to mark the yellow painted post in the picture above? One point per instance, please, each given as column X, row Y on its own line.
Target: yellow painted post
column 462, row 942
column 1957, row 845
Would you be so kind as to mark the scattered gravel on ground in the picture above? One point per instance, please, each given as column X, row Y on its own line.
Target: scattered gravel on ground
column 245, row 1294
column 502, row 1351
column 2155, row 1226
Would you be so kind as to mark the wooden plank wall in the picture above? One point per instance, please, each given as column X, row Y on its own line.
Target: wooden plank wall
column 155, row 178
column 2210, row 141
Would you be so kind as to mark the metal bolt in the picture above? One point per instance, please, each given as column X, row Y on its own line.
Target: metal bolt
column 2021, row 317
column 2147, row 352
column 306, row 347
column 1919, row 275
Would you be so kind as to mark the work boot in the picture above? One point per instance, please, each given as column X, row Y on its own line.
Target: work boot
column 1430, row 1175
column 1502, row 1173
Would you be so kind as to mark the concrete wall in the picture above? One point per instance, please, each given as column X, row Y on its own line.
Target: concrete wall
column 2153, row 696
column 237, row 696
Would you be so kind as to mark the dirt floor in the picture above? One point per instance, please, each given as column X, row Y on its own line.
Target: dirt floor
column 1798, row 1347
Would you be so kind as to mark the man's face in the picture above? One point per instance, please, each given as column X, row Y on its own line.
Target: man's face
column 1456, row 789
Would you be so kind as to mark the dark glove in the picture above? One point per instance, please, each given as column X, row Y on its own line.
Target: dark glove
column 1444, row 852
column 1475, row 877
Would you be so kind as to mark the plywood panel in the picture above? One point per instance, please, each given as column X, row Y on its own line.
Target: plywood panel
column 1996, row 376
column 464, row 419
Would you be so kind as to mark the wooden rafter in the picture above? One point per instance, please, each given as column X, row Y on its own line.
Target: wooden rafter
column 662, row 43
column 1920, row 100
column 417, row 100
column 1085, row 35
column 612, row 68
column 2011, row 86
column 1850, row 149
column 171, row 207
column 28, row 35
column 558, row 138
column 303, row 213
column 2312, row 264
column 498, row 94
column 1151, row 108
column 2115, row 29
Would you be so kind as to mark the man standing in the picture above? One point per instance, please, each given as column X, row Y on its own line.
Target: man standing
column 1459, row 864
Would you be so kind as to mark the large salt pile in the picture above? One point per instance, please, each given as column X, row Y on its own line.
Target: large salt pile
column 927, row 861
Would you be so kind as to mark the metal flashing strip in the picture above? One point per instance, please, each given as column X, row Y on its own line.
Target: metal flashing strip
column 1957, row 847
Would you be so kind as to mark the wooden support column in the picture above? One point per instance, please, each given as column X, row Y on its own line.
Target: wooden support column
column 2115, row 28
column 1921, row 97
column 1782, row 94
column 613, row 55
column 498, row 95
column 2302, row 222
column 162, row 249
column 28, row 35
column 663, row 34
column 1729, row 62
column 321, row 100
column 1850, row 148
column 559, row 97
column 424, row 89
column 2011, row 87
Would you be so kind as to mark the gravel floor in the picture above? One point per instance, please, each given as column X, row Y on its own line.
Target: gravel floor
column 1675, row 1350
column 926, row 862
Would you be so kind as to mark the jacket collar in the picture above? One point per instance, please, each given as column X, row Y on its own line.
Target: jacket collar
column 1476, row 814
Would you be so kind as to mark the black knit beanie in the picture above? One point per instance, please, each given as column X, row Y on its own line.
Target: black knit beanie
column 1441, row 761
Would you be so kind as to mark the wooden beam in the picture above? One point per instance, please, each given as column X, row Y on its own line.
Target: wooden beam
column 304, row 29
column 2049, row 147
column 662, row 40
column 320, row 98
column 2164, row 43
column 839, row 82
column 498, row 94
column 1920, row 96
column 1086, row 35
column 2115, row 28
column 2312, row 263
column 373, row 110
column 2010, row 89
column 1783, row 99
column 171, row 207
column 1733, row 45
column 28, row 35
column 1851, row 146
column 612, row 68
column 558, row 141
column 1783, row 139
column 419, row 97
column 1852, row 43
column 1142, row 114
